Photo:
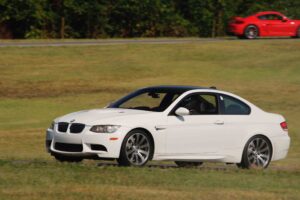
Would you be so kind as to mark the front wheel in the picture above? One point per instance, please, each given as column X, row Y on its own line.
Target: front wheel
column 188, row 164
column 257, row 153
column 136, row 150
column 251, row 32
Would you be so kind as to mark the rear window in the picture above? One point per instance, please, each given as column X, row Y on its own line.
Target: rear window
column 233, row 106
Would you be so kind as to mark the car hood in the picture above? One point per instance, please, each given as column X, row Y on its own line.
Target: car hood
column 89, row 117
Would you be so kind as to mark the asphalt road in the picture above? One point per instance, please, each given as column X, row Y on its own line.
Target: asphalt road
column 57, row 43
column 108, row 42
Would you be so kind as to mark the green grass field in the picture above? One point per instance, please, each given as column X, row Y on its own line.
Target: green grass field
column 38, row 84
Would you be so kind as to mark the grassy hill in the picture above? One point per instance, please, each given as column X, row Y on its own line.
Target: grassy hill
column 38, row 84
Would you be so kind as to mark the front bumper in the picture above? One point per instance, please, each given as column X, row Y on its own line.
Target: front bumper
column 86, row 141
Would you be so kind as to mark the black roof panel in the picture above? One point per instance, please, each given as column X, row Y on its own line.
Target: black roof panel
column 177, row 87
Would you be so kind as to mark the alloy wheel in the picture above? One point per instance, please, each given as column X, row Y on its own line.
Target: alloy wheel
column 137, row 149
column 258, row 153
column 251, row 32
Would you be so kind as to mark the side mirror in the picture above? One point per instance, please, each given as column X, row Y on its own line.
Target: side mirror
column 284, row 19
column 182, row 111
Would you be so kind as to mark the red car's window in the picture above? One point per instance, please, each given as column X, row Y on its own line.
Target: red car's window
column 270, row 17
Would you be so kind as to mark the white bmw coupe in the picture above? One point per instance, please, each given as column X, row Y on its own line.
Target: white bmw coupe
column 185, row 124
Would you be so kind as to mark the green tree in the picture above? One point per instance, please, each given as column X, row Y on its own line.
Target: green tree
column 128, row 18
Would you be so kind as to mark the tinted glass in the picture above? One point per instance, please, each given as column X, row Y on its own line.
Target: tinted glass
column 232, row 106
column 200, row 104
column 270, row 17
column 145, row 101
column 149, row 99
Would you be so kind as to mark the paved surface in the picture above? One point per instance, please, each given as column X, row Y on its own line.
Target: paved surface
column 57, row 43
column 109, row 42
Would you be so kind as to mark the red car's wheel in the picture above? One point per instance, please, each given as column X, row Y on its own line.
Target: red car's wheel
column 251, row 32
column 298, row 33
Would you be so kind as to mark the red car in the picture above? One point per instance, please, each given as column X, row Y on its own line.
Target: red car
column 264, row 24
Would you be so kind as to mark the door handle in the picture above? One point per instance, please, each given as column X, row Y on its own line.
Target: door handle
column 160, row 127
column 219, row 122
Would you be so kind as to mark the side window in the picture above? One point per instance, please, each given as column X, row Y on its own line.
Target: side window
column 270, row 17
column 200, row 104
column 262, row 17
column 277, row 17
column 233, row 106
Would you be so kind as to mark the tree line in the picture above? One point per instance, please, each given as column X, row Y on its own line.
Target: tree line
column 128, row 18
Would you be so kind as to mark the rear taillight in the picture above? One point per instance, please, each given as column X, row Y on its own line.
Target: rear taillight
column 239, row 22
column 284, row 126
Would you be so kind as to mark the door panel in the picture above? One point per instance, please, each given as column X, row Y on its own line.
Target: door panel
column 273, row 25
column 278, row 28
column 193, row 134
column 233, row 131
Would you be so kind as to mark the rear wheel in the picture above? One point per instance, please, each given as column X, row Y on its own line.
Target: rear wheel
column 257, row 153
column 188, row 164
column 251, row 32
column 62, row 158
column 136, row 150
column 298, row 33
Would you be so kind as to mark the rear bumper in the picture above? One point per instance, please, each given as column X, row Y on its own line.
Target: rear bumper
column 235, row 29
column 83, row 144
column 281, row 146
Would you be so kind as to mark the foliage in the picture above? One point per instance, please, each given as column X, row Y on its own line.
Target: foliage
column 128, row 18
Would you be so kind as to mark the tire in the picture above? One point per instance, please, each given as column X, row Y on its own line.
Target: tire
column 137, row 149
column 257, row 153
column 62, row 158
column 251, row 32
column 298, row 33
column 188, row 164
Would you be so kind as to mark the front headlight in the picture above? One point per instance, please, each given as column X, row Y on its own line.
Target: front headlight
column 52, row 126
column 104, row 128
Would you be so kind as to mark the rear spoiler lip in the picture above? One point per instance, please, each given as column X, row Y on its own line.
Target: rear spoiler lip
column 237, row 18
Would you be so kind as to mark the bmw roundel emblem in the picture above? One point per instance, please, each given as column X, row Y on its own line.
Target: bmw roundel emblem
column 73, row 120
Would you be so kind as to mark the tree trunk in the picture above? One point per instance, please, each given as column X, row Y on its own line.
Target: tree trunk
column 220, row 27
column 5, row 31
column 213, row 29
column 62, row 27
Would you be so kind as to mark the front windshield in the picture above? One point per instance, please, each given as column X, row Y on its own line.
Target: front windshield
column 149, row 99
